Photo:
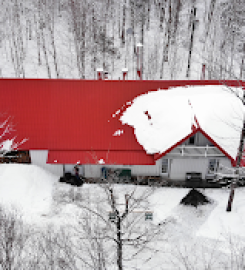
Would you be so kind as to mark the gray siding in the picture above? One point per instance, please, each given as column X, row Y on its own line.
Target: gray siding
column 39, row 158
column 150, row 170
column 179, row 167
column 200, row 140
column 70, row 168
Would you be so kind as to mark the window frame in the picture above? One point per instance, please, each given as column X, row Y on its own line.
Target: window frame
column 215, row 165
column 166, row 165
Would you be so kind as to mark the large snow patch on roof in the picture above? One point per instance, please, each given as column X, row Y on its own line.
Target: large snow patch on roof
column 163, row 118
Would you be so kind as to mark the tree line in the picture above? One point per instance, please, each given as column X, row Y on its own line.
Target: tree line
column 72, row 38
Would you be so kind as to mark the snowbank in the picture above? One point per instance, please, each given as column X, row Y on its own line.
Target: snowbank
column 163, row 118
column 221, row 224
column 26, row 187
column 164, row 200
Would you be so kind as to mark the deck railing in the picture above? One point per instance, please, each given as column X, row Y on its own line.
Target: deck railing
column 196, row 151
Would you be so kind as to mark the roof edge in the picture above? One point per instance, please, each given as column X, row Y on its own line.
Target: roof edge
column 216, row 145
column 160, row 155
column 199, row 129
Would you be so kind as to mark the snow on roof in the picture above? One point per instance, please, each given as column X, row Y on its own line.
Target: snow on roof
column 163, row 118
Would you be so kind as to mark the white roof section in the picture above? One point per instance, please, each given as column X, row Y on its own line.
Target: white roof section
column 163, row 118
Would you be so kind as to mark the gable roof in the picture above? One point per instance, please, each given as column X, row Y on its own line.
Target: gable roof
column 162, row 119
column 77, row 115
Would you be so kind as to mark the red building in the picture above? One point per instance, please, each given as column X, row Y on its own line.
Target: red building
column 73, row 122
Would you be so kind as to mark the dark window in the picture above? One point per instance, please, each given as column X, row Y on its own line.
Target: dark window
column 192, row 140
column 165, row 166
column 213, row 165
column 16, row 157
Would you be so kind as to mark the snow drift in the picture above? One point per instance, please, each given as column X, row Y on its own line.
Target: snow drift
column 26, row 187
column 163, row 118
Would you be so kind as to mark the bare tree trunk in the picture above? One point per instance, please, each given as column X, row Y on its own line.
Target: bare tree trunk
column 79, row 17
column 238, row 164
column 119, row 243
column 193, row 24
column 45, row 54
column 52, row 31
column 124, row 23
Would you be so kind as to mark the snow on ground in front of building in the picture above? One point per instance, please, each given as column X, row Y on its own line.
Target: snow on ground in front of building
column 30, row 189
column 44, row 201
column 27, row 188
column 221, row 223
column 163, row 118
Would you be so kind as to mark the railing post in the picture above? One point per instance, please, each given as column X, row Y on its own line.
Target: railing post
column 182, row 151
column 206, row 150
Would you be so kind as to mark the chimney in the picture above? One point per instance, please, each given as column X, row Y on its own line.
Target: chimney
column 125, row 73
column 139, row 49
column 100, row 73
column 203, row 72
column 106, row 74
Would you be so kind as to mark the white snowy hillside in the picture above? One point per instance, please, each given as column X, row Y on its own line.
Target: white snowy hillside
column 163, row 118
column 27, row 188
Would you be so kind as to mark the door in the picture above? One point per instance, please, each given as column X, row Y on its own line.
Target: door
column 165, row 167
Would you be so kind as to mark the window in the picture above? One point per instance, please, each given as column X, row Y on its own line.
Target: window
column 192, row 140
column 164, row 165
column 213, row 165
column 16, row 157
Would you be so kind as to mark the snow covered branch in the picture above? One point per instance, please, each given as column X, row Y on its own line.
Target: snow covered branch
column 8, row 144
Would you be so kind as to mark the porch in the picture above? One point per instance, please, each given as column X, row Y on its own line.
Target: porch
column 157, row 181
column 195, row 151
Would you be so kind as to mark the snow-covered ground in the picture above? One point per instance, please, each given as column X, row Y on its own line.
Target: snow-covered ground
column 190, row 238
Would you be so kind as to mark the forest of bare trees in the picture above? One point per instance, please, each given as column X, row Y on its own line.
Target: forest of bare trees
column 72, row 38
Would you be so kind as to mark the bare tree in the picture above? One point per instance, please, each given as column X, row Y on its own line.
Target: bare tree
column 113, row 229
column 8, row 144
column 13, row 241
column 237, row 173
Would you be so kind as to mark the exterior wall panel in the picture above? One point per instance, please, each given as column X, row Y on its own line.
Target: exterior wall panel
column 179, row 167
column 39, row 158
column 143, row 170
column 202, row 140
column 70, row 168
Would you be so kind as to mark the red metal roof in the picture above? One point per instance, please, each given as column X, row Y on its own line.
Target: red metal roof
column 100, row 157
column 77, row 115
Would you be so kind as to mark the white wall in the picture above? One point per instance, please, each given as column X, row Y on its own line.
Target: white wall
column 200, row 140
column 150, row 170
column 179, row 167
column 70, row 168
column 39, row 158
